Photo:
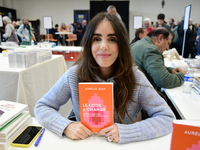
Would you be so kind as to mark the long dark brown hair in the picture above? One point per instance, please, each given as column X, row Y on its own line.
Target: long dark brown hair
column 122, row 70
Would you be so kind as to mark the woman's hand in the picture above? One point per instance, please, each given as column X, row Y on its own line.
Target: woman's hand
column 111, row 133
column 76, row 131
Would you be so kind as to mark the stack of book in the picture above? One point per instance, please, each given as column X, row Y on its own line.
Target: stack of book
column 196, row 85
column 14, row 117
column 23, row 59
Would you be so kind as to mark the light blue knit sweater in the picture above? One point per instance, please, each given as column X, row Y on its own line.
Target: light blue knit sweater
column 160, row 123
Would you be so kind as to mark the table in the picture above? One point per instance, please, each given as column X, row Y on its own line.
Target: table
column 63, row 35
column 51, row 141
column 57, row 48
column 28, row 85
column 64, row 48
column 187, row 105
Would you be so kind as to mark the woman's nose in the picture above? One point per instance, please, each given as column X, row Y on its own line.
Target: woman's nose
column 104, row 45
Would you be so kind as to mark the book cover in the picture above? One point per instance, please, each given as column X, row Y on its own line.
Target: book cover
column 96, row 105
column 185, row 135
column 9, row 110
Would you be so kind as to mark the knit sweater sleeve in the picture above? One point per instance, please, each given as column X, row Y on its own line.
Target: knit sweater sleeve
column 161, row 116
column 46, row 109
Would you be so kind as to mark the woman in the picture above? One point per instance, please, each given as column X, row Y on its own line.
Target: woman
column 10, row 34
column 147, row 24
column 63, row 28
column 139, row 34
column 25, row 32
column 106, row 58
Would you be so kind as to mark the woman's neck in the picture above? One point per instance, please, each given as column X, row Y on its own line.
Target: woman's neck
column 106, row 72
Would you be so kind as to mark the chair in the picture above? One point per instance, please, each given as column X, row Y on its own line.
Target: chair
column 49, row 37
column 71, row 39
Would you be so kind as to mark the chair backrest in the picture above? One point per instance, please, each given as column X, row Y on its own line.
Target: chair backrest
column 72, row 36
column 50, row 36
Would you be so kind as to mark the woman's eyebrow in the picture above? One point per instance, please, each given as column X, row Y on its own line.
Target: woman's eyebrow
column 97, row 34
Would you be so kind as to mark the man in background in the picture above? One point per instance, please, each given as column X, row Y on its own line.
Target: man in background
column 112, row 10
column 147, row 54
column 171, row 24
column 161, row 22
column 84, row 26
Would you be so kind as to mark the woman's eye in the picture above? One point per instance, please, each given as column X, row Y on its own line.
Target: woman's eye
column 96, row 39
column 113, row 39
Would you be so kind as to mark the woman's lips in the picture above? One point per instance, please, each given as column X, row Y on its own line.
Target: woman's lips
column 103, row 55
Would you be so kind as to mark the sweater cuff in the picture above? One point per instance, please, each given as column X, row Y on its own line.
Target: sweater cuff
column 125, row 136
column 64, row 124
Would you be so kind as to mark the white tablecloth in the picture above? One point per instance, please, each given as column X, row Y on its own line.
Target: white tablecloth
column 51, row 141
column 30, row 84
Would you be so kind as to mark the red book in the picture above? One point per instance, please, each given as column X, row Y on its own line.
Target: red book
column 185, row 135
column 96, row 105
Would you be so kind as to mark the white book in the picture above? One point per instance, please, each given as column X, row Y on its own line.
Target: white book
column 9, row 111
column 11, row 127
column 7, row 144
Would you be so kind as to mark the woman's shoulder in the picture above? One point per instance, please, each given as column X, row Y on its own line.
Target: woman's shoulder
column 72, row 70
column 139, row 75
column 10, row 26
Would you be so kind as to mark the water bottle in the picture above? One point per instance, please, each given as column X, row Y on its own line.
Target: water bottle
column 188, row 81
column 32, row 43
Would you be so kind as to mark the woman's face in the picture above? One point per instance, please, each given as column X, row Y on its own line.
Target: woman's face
column 26, row 21
column 104, row 45
column 63, row 25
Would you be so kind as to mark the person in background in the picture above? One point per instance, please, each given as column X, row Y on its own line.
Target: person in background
column 161, row 22
column 192, row 39
column 147, row 54
column 10, row 34
column 53, row 31
column 63, row 28
column 171, row 24
column 25, row 32
column 106, row 57
column 84, row 25
column 178, row 22
column 79, row 32
column 16, row 27
column 198, row 41
column 139, row 34
column 113, row 11
column 147, row 24
column 196, row 25
column 181, row 38
column 56, row 27
column 19, row 22
column 73, row 27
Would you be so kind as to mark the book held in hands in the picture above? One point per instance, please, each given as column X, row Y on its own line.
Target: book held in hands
column 96, row 105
